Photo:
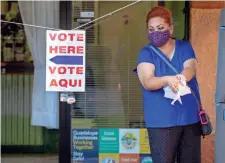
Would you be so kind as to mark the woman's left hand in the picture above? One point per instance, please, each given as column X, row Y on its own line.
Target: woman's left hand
column 174, row 82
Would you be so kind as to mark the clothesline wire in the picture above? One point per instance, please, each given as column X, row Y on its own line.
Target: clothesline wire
column 109, row 14
column 104, row 16
column 31, row 25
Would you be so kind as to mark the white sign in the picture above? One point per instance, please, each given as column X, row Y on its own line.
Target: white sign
column 83, row 20
column 65, row 61
column 87, row 14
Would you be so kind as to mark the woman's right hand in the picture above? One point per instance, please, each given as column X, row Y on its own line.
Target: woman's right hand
column 173, row 82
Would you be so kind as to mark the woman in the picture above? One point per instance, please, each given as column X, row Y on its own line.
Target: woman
column 173, row 129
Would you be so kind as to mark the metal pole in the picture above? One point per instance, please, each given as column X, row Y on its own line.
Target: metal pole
column 64, row 108
column 65, row 132
column 186, row 11
column 220, row 95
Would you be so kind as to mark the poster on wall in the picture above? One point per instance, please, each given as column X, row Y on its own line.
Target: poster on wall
column 65, row 61
column 129, row 141
column 109, row 158
column 146, row 158
column 108, row 138
column 110, row 145
column 144, row 142
column 85, row 146
column 129, row 158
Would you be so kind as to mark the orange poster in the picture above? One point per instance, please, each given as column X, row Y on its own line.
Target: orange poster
column 129, row 158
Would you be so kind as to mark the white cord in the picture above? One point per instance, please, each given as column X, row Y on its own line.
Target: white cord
column 109, row 14
column 36, row 26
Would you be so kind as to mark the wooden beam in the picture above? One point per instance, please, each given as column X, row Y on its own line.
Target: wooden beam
column 208, row 4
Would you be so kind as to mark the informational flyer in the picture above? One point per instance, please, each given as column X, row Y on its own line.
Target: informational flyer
column 110, row 145
column 146, row 158
column 85, row 145
column 109, row 158
column 129, row 158
column 144, row 142
column 108, row 140
column 129, row 141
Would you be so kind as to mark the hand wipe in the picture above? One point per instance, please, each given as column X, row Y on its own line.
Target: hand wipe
column 182, row 90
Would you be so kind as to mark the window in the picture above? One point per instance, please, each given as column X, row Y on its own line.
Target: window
column 79, row 19
column 15, row 53
column 113, row 97
column 177, row 8
column 16, row 81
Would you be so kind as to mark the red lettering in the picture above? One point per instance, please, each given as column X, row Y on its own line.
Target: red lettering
column 53, row 49
column 71, row 49
column 79, row 70
column 63, row 83
column 62, row 37
column 66, row 49
column 66, row 70
column 80, row 49
column 62, row 49
column 52, row 70
column 62, row 70
column 52, row 36
column 80, row 83
column 80, row 37
column 71, row 69
column 74, row 83
column 71, row 35
column 53, row 83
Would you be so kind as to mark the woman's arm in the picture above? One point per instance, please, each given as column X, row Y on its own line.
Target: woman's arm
column 190, row 67
column 147, row 77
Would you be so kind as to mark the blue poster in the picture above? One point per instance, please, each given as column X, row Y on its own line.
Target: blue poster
column 146, row 158
column 84, row 145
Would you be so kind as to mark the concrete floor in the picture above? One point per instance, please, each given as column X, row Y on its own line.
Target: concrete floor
column 29, row 159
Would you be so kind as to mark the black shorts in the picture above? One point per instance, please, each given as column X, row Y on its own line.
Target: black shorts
column 180, row 144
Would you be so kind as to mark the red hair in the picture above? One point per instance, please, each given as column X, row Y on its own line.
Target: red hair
column 160, row 12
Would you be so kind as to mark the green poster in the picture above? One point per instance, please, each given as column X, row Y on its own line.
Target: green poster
column 108, row 141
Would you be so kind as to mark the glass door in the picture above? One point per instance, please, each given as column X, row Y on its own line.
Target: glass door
column 107, row 120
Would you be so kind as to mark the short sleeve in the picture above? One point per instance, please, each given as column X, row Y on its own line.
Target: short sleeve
column 145, row 55
column 188, row 52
